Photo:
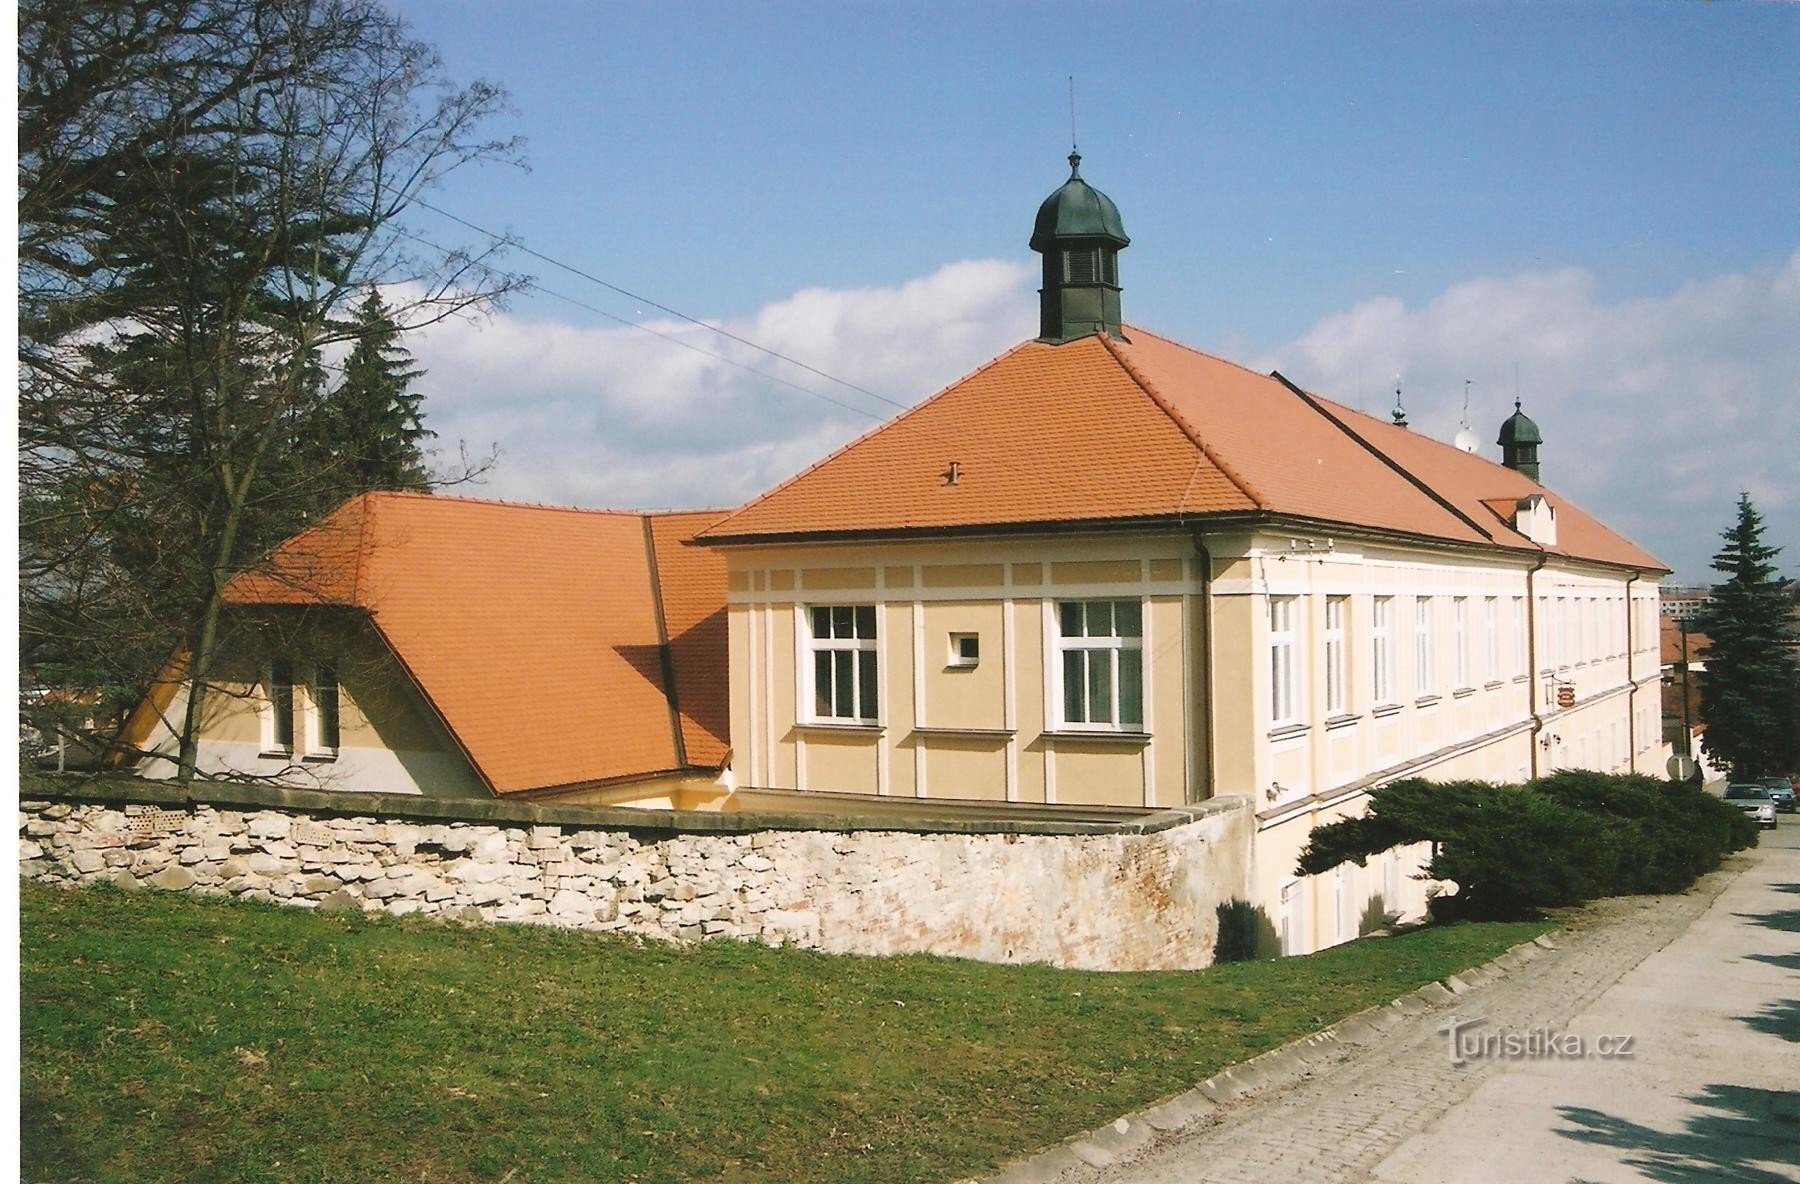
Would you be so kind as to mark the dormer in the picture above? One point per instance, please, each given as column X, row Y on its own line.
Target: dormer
column 1535, row 518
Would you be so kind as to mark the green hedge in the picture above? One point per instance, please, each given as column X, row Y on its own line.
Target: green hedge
column 1513, row 850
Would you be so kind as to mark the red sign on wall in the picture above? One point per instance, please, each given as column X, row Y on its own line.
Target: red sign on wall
column 1565, row 697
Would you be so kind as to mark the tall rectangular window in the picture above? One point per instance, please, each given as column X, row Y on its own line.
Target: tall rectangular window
column 1563, row 649
column 844, row 663
column 1284, row 691
column 1425, row 664
column 281, row 705
column 1460, row 616
column 1100, row 647
column 324, row 693
column 1521, row 637
column 1381, row 637
column 1490, row 610
column 1336, row 677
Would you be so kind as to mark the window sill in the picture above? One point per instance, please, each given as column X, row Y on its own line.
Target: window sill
column 1387, row 710
column 1462, row 692
column 994, row 733
column 1519, row 678
column 1495, row 685
column 319, row 758
column 871, row 728
column 275, row 754
column 1103, row 737
column 1428, row 700
column 1341, row 721
column 1289, row 731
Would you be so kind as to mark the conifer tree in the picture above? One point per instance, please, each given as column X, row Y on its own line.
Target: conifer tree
column 371, row 425
column 1750, row 690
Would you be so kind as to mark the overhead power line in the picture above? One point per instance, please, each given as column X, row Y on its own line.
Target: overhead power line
column 674, row 312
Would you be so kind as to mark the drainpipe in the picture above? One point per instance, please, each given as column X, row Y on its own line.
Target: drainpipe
column 1631, row 691
column 1206, row 665
column 1537, row 719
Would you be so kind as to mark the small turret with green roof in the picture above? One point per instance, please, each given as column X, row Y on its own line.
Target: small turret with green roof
column 1519, row 440
column 1080, row 234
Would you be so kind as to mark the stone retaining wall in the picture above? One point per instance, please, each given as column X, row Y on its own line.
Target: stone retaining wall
column 1099, row 896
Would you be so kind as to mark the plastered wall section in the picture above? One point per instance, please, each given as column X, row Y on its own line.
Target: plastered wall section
column 986, row 730
column 389, row 740
column 1114, row 899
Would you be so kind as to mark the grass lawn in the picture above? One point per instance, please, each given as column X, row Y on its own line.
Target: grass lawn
column 167, row 1038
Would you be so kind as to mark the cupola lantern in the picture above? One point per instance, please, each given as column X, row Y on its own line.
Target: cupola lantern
column 1519, row 440
column 1079, row 234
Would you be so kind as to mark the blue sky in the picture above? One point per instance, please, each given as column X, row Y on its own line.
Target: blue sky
column 1600, row 198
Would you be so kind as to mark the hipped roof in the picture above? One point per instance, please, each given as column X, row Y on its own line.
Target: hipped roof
column 533, row 631
column 1104, row 430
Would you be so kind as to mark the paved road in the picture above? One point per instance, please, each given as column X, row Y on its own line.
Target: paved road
column 1706, row 985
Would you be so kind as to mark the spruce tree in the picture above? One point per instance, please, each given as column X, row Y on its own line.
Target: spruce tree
column 1750, row 690
column 371, row 426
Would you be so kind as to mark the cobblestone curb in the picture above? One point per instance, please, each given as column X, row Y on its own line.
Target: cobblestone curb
column 1281, row 1066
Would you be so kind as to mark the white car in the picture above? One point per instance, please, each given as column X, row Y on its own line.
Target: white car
column 1754, row 800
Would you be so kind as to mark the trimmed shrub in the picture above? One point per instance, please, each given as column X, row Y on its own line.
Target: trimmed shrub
column 1560, row 840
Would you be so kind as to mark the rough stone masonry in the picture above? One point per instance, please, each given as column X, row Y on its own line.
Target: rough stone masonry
column 1102, row 896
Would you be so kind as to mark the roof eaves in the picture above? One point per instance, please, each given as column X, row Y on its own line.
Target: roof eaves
column 1149, row 388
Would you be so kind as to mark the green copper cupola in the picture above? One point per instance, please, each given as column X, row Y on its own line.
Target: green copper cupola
column 1079, row 234
column 1519, row 440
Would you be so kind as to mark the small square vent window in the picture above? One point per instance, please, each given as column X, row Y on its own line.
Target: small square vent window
column 965, row 649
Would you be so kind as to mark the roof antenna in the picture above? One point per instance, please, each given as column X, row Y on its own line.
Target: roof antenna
column 1399, row 407
column 1465, row 438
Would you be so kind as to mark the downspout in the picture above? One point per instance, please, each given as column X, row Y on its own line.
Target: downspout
column 1206, row 666
column 1631, row 691
column 1537, row 719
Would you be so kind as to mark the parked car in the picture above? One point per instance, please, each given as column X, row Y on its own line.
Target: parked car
column 1782, row 790
column 1753, row 800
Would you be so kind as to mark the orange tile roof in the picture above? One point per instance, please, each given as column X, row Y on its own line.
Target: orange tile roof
column 532, row 630
column 1106, row 430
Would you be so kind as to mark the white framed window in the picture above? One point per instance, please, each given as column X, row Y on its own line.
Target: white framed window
column 1381, row 642
column 843, row 669
column 1564, row 649
column 1424, row 652
column 1490, row 612
column 322, row 726
column 1100, row 664
column 1521, row 652
column 965, row 651
column 1460, row 617
column 1284, row 673
column 1336, row 676
column 279, row 714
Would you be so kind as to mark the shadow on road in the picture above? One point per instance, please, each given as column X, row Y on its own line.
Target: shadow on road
column 1785, row 961
column 1741, row 1127
column 1778, row 1019
column 1787, row 920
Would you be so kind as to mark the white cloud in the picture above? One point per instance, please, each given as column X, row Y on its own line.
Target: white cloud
column 616, row 417
column 1656, row 412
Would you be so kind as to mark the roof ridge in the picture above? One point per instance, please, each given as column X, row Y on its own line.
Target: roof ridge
column 1184, row 346
column 514, row 503
column 1189, row 430
column 879, row 427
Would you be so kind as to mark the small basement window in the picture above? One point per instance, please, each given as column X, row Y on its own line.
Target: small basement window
column 965, row 650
